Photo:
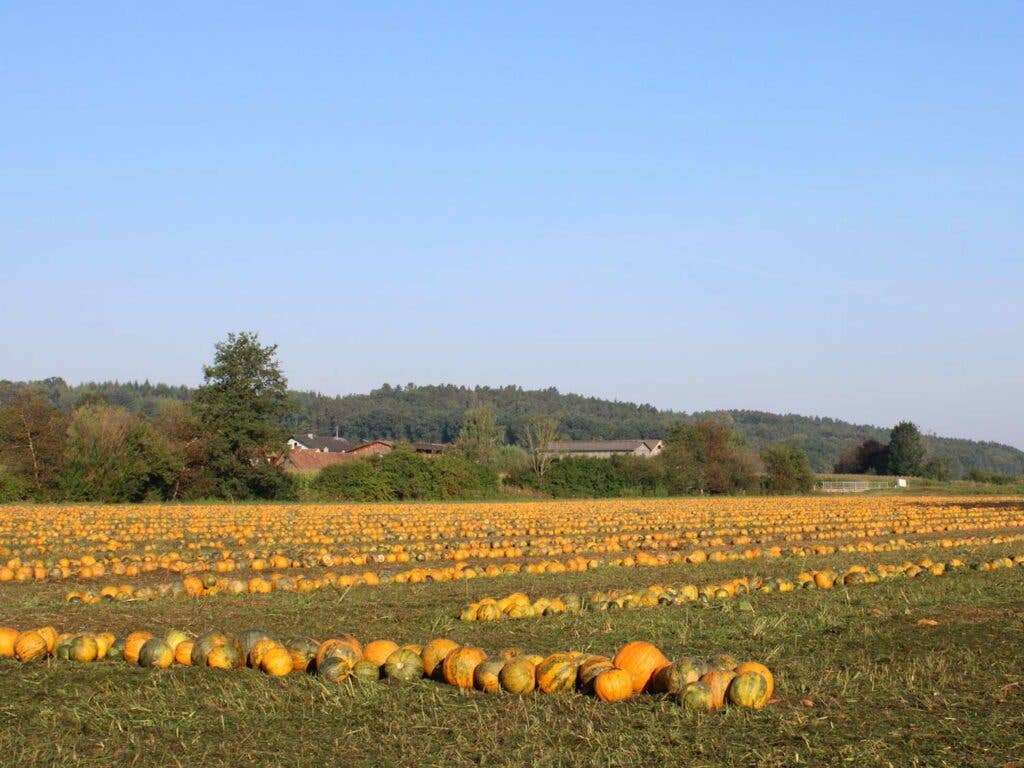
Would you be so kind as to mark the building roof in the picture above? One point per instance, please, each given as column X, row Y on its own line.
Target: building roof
column 601, row 446
column 314, row 461
column 317, row 443
column 430, row 447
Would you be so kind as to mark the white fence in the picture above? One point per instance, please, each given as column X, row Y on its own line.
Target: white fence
column 859, row 486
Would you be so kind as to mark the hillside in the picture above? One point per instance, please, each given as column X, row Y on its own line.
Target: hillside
column 434, row 413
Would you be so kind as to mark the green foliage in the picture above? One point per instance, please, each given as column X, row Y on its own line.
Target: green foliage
column 115, row 456
column 906, row 449
column 359, row 480
column 708, row 456
column 480, row 436
column 591, row 477
column 12, row 489
column 788, row 468
column 241, row 407
column 937, row 468
column 994, row 478
column 404, row 475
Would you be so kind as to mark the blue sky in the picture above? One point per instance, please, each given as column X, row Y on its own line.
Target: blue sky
column 799, row 207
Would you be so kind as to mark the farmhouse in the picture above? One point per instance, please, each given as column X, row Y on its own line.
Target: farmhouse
column 310, row 453
column 313, row 442
column 603, row 449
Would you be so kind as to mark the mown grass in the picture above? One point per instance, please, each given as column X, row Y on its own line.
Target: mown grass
column 859, row 682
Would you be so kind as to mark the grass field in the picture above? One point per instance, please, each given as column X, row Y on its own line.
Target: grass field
column 859, row 681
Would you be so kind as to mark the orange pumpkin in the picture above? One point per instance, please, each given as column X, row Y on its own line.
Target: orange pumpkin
column 613, row 685
column 8, row 637
column 133, row 645
column 277, row 661
column 378, row 651
column 30, row 646
column 459, row 665
column 434, row 654
column 641, row 659
column 183, row 653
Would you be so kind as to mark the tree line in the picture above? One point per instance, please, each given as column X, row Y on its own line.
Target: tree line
column 436, row 414
column 227, row 441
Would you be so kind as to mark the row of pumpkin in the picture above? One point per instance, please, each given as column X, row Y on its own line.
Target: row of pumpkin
column 46, row 542
column 210, row 584
column 637, row 667
column 519, row 606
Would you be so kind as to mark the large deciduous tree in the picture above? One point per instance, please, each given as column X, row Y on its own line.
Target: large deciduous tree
column 32, row 435
column 241, row 407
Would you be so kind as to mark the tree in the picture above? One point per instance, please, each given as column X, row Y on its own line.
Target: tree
column 188, row 445
column 540, row 432
column 480, row 436
column 937, row 468
column 241, row 406
column 789, row 469
column 115, row 456
column 32, row 441
column 868, row 456
column 906, row 449
column 707, row 456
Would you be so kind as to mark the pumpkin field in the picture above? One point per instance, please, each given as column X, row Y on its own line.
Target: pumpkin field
column 874, row 630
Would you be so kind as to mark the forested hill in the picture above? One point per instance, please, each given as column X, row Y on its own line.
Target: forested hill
column 434, row 413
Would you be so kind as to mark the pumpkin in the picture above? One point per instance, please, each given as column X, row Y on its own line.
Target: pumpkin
column 248, row 640
column 103, row 642
column 460, row 664
column 697, row 696
column 749, row 689
column 641, row 660
column 335, row 668
column 83, row 648
column 718, row 681
column 366, row 671
column 676, row 676
column 403, row 664
column 434, row 654
column 8, row 637
column 613, row 685
column 225, row 656
column 589, row 670
column 510, row 653
column 174, row 638
column 485, row 676
column 518, row 676
column 183, row 653
column 303, row 652
column 133, row 644
column 204, row 644
column 760, row 669
column 156, row 653
column 723, row 661
column 378, row 651
column 116, row 650
column 49, row 634
column 557, row 673
column 262, row 646
column 277, row 661
column 339, row 646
